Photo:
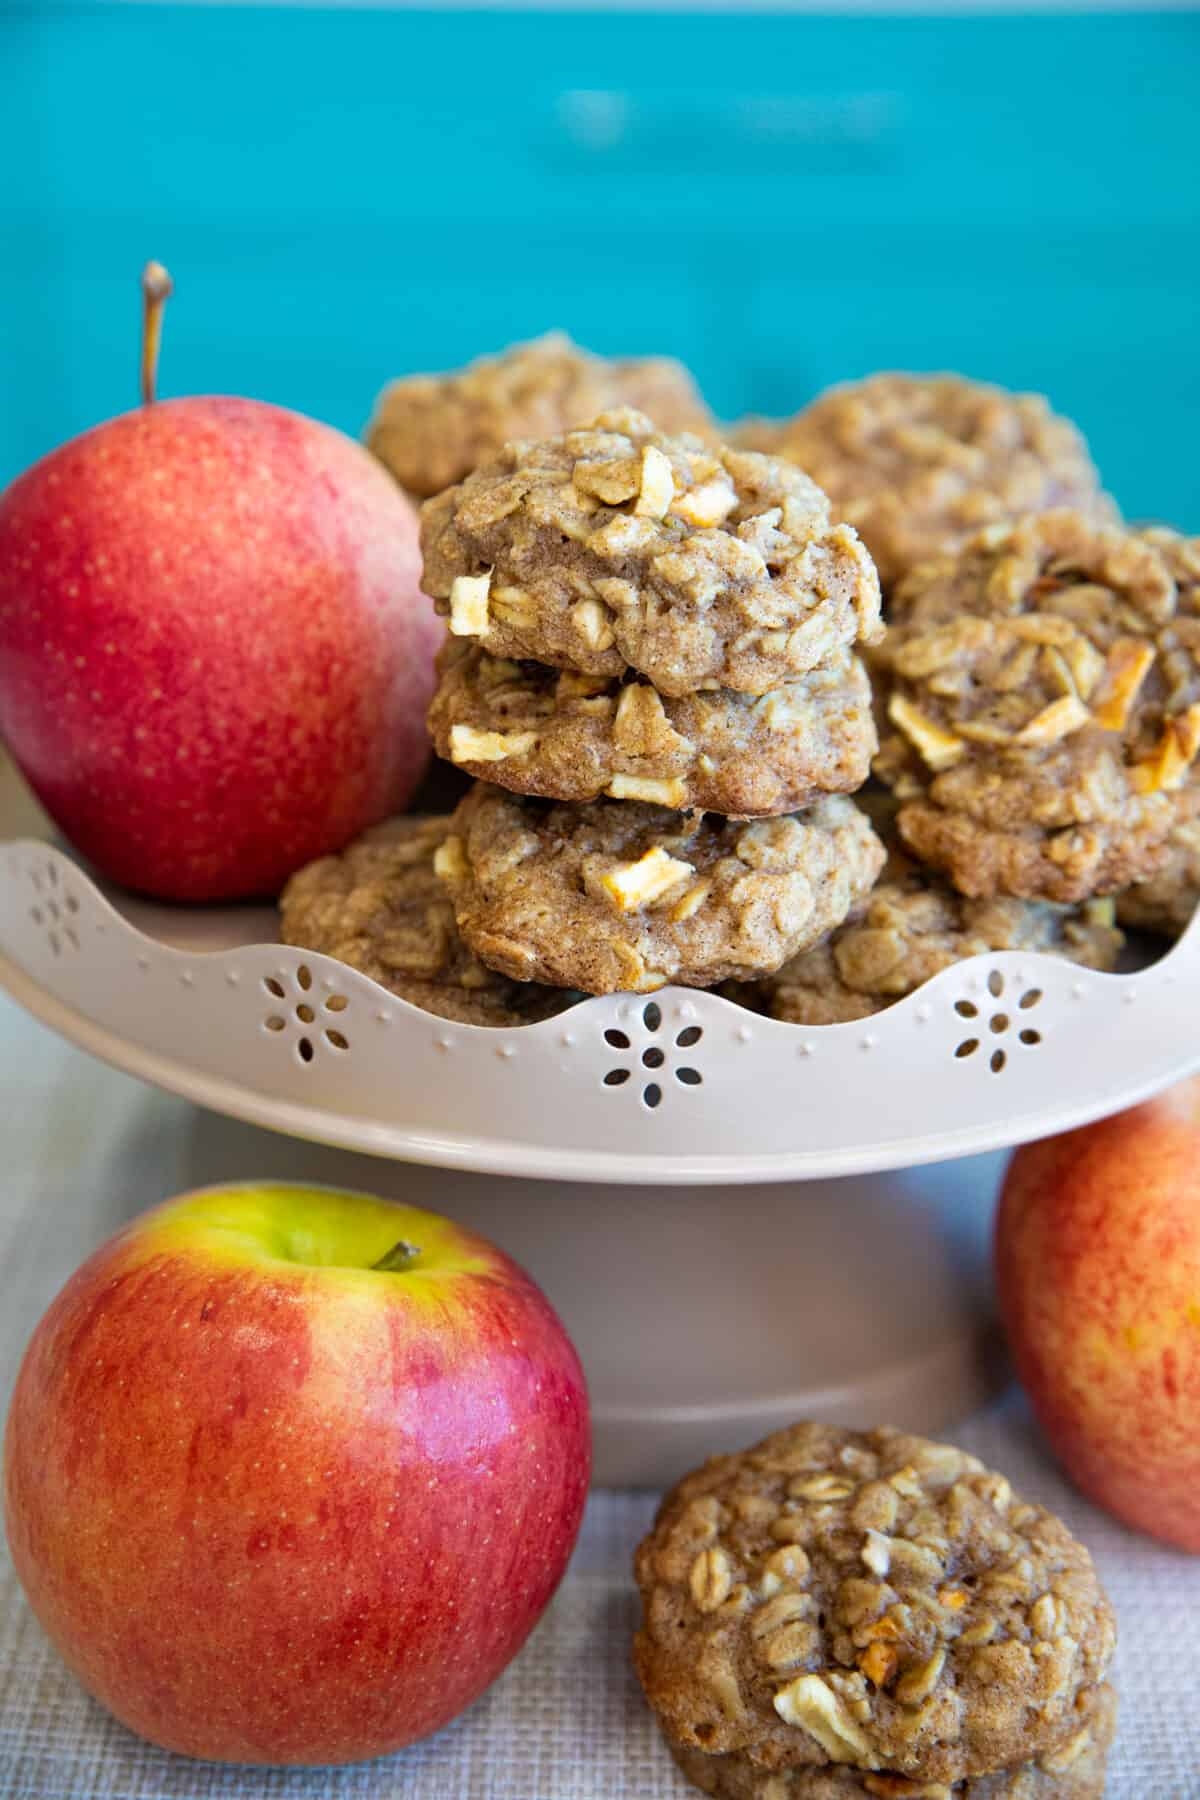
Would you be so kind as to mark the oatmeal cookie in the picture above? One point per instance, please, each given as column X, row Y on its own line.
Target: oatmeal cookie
column 917, row 463
column 866, row 1598
column 380, row 907
column 912, row 927
column 431, row 430
column 564, row 736
column 1044, row 708
column 1167, row 901
column 1074, row 1771
column 619, row 896
column 618, row 548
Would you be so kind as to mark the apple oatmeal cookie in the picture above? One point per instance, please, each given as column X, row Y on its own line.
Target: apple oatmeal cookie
column 913, row 926
column 869, row 1599
column 1075, row 1771
column 432, row 430
column 618, row 548
column 539, row 730
column 381, row 908
column 1044, row 709
column 620, row 896
column 1165, row 903
column 918, row 463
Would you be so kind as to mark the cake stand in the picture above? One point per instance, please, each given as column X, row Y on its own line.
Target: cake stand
column 712, row 1214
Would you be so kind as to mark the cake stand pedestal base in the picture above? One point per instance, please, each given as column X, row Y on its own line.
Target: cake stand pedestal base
column 707, row 1317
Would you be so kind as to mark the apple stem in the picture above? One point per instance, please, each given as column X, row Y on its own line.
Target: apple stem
column 401, row 1256
column 157, row 287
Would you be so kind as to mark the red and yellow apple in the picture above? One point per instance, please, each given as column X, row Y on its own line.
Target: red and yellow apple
column 1098, row 1268
column 215, row 657
column 291, row 1473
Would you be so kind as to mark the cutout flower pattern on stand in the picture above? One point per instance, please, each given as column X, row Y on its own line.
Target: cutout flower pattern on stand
column 654, row 1057
column 999, row 1023
column 304, row 1006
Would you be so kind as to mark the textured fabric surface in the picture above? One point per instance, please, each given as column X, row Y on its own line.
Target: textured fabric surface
column 85, row 1148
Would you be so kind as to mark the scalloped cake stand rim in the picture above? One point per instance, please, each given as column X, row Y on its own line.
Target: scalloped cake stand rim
column 470, row 1152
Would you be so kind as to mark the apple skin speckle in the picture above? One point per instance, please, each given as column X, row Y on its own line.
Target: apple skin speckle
column 219, row 574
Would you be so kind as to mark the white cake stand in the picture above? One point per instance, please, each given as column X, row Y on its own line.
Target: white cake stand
column 712, row 1219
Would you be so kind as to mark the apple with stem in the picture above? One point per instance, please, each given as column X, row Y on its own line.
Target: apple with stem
column 291, row 1473
column 215, row 657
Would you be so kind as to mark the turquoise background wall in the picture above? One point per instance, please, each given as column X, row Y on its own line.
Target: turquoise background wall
column 782, row 200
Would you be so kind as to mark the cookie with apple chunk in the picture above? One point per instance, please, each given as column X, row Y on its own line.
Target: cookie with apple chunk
column 917, row 463
column 432, row 430
column 619, row 547
column 381, row 907
column 913, row 926
column 622, row 897
column 1074, row 1772
column 872, row 1600
column 538, row 730
column 1043, row 709
column 1166, row 902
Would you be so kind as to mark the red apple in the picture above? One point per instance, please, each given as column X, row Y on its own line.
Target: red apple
column 290, row 1473
column 215, row 657
column 1098, row 1265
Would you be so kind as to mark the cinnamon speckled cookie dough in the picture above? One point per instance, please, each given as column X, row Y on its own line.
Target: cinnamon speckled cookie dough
column 912, row 927
column 918, row 463
column 381, row 908
column 565, row 736
column 1044, row 707
column 431, row 430
column 868, row 1599
column 619, row 896
column 619, row 548
column 1076, row 1771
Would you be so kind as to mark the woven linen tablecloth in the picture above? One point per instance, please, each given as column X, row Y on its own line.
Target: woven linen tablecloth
column 83, row 1149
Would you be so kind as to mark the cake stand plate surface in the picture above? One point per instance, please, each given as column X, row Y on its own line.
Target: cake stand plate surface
column 714, row 1219
column 681, row 1087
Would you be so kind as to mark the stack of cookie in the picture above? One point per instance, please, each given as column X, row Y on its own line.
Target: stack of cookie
column 1041, row 687
column 840, row 1615
column 652, row 675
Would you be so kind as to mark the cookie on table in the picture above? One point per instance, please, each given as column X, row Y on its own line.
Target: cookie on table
column 431, row 430
column 574, row 737
column 1075, row 1771
column 1042, row 710
column 1166, row 902
column 918, row 463
column 619, row 896
column 869, row 1599
column 914, row 925
column 381, row 908
column 616, row 548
